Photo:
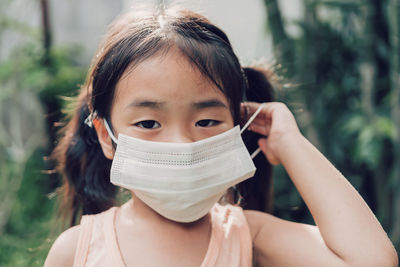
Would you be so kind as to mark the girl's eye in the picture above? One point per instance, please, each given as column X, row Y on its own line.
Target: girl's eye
column 207, row 123
column 149, row 124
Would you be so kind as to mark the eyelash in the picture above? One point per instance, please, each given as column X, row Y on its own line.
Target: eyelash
column 213, row 123
column 141, row 124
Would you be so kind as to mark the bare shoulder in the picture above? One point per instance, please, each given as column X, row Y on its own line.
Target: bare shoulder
column 62, row 252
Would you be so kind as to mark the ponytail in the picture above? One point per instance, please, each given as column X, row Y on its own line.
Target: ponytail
column 257, row 192
column 84, row 168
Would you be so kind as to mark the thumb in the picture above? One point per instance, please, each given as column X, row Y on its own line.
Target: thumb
column 263, row 144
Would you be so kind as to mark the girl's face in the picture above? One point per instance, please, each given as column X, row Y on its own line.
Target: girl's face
column 166, row 99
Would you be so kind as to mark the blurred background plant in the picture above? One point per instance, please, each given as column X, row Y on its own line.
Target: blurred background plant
column 340, row 75
column 343, row 82
column 32, row 78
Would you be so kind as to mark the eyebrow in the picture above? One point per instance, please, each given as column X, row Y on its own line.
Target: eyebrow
column 210, row 103
column 146, row 104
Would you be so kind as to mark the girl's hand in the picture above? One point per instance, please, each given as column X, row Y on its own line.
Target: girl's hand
column 276, row 122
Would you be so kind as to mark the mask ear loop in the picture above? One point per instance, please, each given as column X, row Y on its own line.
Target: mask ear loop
column 255, row 153
column 110, row 132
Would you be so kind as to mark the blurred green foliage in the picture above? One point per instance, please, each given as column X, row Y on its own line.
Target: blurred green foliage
column 32, row 223
column 338, row 75
column 27, row 236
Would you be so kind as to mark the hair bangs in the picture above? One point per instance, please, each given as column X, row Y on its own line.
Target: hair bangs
column 216, row 63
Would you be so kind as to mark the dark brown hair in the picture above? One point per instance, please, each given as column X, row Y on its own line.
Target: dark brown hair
column 131, row 39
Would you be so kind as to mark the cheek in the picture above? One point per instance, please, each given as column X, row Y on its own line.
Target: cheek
column 231, row 122
column 228, row 119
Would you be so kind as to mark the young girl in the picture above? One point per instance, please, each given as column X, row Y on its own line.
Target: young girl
column 161, row 115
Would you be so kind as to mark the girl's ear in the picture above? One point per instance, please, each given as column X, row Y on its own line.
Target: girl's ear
column 104, row 138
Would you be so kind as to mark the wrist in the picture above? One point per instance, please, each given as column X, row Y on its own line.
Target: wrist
column 286, row 143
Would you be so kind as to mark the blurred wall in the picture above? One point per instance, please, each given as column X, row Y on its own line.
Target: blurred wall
column 83, row 22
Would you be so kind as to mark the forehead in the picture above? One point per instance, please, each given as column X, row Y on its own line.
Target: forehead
column 168, row 76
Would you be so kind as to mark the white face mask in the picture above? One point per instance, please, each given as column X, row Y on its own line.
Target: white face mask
column 182, row 181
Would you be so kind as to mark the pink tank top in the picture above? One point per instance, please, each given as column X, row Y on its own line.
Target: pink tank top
column 230, row 242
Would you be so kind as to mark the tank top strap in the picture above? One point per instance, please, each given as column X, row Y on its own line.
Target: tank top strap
column 231, row 243
column 246, row 240
column 111, row 237
column 85, row 235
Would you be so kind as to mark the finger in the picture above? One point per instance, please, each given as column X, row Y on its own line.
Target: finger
column 251, row 107
column 269, row 110
column 247, row 109
column 267, row 106
column 261, row 120
column 262, row 143
column 254, row 105
column 253, row 116
column 260, row 129
column 243, row 109
column 261, row 124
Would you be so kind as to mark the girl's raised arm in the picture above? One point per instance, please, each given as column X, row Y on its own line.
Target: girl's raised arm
column 347, row 232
